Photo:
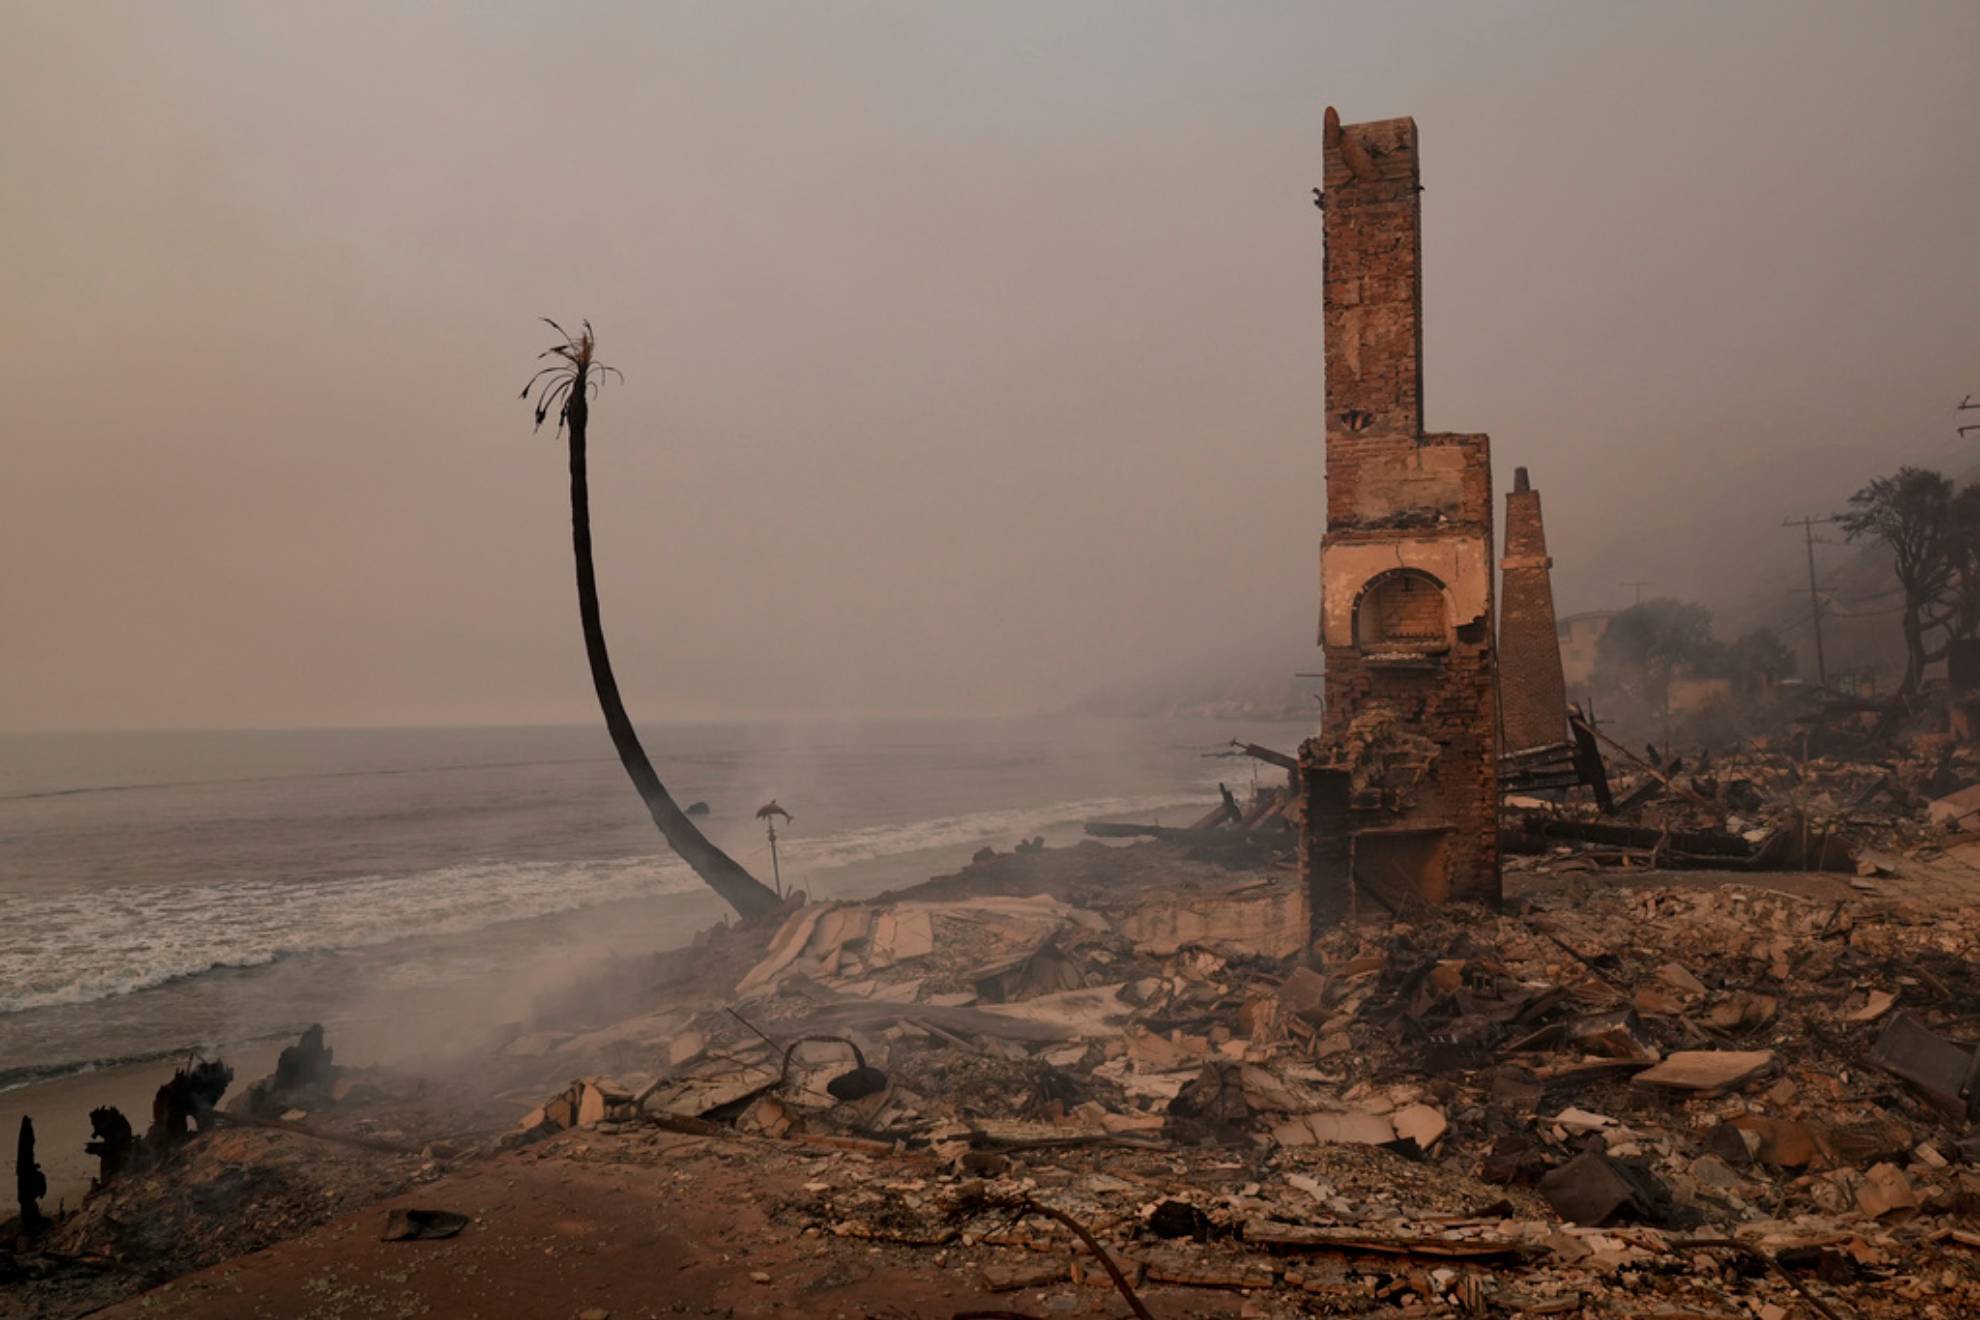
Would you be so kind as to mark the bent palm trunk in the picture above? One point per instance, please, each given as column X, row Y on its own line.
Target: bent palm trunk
column 722, row 873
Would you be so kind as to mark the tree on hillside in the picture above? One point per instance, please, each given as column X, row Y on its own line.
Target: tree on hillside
column 1911, row 512
column 566, row 388
column 1647, row 645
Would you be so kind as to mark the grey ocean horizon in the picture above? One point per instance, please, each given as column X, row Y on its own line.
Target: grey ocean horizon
column 174, row 890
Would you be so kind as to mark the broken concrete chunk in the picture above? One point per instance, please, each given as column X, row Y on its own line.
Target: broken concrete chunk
column 1874, row 1006
column 906, row 932
column 685, row 1046
column 1421, row 1124
column 1257, row 1018
column 1741, row 1011
column 1304, row 994
column 767, row 1116
column 1706, row 1070
column 1957, row 811
column 1656, row 1001
column 1885, row 1190
column 1352, row 1129
column 1778, row 1143
column 1159, row 1052
column 1580, row 1121
column 1680, row 980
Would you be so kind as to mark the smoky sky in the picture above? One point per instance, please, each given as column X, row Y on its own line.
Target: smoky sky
column 972, row 353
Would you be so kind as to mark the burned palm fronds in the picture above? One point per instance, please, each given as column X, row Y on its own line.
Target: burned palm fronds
column 567, row 387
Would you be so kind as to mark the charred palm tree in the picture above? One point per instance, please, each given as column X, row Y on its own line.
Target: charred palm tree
column 566, row 388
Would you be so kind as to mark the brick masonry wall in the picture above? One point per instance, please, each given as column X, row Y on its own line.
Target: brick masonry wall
column 1374, row 287
column 1532, row 687
column 1388, row 481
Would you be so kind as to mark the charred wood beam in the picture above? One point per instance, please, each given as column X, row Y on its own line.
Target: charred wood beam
column 1216, row 817
column 1652, row 770
column 1266, row 755
column 1707, row 844
column 1588, row 762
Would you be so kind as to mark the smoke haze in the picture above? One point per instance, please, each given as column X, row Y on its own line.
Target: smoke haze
column 972, row 353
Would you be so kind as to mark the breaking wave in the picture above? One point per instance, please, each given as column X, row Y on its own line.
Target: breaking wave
column 78, row 947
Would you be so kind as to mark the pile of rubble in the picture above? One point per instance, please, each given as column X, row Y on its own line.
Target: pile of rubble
column 1261, row 827
column 1736, row 1099
column 1760, row 808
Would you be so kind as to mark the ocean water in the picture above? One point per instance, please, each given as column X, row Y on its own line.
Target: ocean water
column 161, row 891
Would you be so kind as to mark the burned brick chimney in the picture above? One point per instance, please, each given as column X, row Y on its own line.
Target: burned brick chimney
column 1401, row 788
column 1532, row 686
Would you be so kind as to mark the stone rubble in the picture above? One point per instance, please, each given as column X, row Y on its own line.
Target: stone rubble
column 1664, row 1097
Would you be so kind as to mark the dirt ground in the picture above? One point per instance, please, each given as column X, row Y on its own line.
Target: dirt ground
column 634, row 1223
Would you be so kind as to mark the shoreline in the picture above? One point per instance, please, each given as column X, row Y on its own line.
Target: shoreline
column 367, row 1033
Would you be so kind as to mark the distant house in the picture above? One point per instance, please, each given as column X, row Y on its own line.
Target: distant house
column 1579, row 634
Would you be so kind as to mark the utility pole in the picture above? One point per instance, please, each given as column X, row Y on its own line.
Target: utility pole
column 1808, row 526
column 1639, row 589
column 1968, row 405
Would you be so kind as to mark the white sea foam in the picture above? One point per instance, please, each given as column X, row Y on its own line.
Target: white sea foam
column 76, row 947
